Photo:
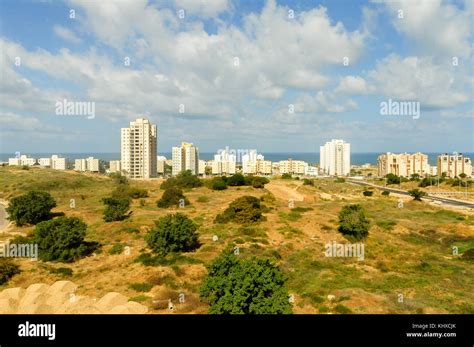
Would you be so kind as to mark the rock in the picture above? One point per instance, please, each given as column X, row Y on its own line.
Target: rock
column 110, row 300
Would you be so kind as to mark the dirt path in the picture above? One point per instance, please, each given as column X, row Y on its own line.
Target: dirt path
column 3, row 215
column 282, row 191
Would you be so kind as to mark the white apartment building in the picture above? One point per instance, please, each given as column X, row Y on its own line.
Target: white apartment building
column 454, row 165
column 293, row 167
column 311, row 171
column 202, row 167
column 249, row 162
column 403, row 164
column 45, row 162
column 335, row 158
column 22, row 160
column 160, row 164
column 258, row 167
column 115, row 166
column 138, row 149
column 224, row 163
column 58, row 163
column 89, row 164
column 185, row 158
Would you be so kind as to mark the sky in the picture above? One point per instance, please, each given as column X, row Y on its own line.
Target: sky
column 277, row 76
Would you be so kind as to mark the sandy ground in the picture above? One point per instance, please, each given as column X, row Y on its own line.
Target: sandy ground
column 281, row 191
column 4, row 223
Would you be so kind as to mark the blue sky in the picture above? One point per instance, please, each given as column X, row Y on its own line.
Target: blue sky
column 290, row 56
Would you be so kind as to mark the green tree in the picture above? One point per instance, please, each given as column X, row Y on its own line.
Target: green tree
column 246, row 209
column 392, row 179
column 416, row 194
column 172, row 197
column 116, row 209
column 237, row 286
column 218, row 184
column 173, row 233
column 353, row 221
column 31, row 208
column 236, row 180
column 286, row 176
column 62, row 239
column 462, row 175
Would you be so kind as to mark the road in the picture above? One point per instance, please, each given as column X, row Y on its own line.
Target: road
column 404, row 192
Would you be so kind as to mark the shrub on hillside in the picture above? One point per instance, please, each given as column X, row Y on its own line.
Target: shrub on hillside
column 172, row 197
column 31, row 208
column 353, row 222
column 185, row 179
column 237, row 286
column 246, row 209
column 385, row 193
column 286, row 176
column 259, row 182
column 62, row 239
column 8, row 269
column 116, row 209
column 124, row 191
column 368, row 193
column 236, row 180
column 173, row 233
column 308, row 182
column 218, row 184
column 416, row 194
column 392, row 179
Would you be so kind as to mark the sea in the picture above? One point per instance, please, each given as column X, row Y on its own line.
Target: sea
column 312, row 158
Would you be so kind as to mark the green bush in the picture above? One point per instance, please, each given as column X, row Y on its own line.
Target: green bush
column 141, row 287
column 237, row 286
column 286, row 176
column 392, row 179
column 124, row 191
column 368, row 193
column 246, row 209
column 173, row 233
column 116, row 249
column 259, row 182
column 342, row 309
column 62, row 239
column 8, row 269
column 353, row 222
column 172, row 197
column 218, row 184
column 31, row 208
column 116, row 209
column 185, row 179
column 385, row 193
column 236, row 180
column 340, row 180
column 416, row 194
column 308, row 182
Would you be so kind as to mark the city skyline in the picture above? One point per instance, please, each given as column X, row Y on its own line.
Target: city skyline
column 258, row 75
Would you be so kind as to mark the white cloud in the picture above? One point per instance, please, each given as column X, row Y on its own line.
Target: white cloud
column 420, row 79
column 439, row 27
column 352, row 85
column 66, row 34
column 204, row 8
